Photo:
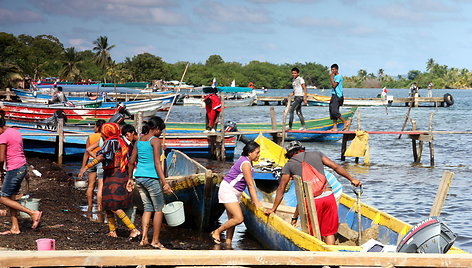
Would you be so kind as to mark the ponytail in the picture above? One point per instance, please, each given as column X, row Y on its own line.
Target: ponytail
column 153, row 123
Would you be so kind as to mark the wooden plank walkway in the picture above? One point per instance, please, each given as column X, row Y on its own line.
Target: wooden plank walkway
column 226, row 258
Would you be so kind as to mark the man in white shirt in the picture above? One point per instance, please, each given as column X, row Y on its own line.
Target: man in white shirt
column 301, row 95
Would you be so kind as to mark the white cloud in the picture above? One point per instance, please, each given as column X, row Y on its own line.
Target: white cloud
column 81, row 44
column 232, row 13
column 142, row 49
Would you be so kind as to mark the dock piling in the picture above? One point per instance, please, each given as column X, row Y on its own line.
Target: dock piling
column 60, row 140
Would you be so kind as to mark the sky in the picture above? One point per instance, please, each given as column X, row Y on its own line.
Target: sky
column 396, row 36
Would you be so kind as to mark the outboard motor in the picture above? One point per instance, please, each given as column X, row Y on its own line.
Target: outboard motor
column 231, row 126
column 429, row 236
column 122, row 110
column 51, row 122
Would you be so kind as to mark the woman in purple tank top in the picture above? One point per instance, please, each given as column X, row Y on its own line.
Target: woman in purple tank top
column 231, row 188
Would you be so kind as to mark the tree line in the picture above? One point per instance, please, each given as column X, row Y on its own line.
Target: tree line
column 28, row 57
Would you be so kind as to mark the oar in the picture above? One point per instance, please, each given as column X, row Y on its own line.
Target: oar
column 284, row 120
column 358, row 193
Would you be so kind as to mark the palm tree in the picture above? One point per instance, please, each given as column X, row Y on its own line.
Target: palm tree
column 72, row 59
column 430, row 64
column 102, row 50
column 380, row 74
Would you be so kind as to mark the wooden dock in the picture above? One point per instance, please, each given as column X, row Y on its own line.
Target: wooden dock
column 398, row 102
column 213, row 258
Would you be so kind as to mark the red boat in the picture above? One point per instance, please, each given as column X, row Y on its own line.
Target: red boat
column 33, row 113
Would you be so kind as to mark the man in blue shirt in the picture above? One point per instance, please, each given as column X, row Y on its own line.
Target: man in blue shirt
column 337, row 98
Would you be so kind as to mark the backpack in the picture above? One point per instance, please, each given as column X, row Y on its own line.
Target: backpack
column 318, row 180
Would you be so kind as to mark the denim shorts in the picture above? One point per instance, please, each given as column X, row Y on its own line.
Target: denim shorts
column 12, row 181
column 150, row 190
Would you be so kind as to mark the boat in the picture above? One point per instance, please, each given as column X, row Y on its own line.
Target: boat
column 38, row 112
column 132, row 106
column 230, row 102
column 319, row 100
column 197, row 187
column 275, row 231
column 45, row 141
column 311, row 134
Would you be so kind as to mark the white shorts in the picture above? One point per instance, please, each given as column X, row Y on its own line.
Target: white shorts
column 227, row 193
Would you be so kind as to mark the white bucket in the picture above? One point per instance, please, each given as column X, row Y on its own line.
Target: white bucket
column 31, row 203
column 80, row 184
column 174, row 213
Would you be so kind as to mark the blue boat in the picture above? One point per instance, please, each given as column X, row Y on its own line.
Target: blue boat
column 197, row 187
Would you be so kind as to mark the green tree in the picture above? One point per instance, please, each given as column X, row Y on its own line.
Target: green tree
column 10, row 75
column 146, row 67
column 70, row 65
column 430, row 64
column 214, row 60
column 413, row 74
column 102, row 50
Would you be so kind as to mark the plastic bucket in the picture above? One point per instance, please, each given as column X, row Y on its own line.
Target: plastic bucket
column 174, row 213
column 80, row 184
column 46, row 244
column 31, row 203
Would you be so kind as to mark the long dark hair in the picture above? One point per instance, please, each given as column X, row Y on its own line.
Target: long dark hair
column 153, row 123
column 249, row 148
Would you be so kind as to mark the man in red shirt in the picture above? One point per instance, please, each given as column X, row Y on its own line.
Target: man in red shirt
column 213, row 109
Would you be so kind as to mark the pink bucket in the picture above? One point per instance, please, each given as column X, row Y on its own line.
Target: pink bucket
column 46, row 244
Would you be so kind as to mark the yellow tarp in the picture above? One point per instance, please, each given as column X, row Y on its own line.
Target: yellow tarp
column 359, row 146
column 271, row 151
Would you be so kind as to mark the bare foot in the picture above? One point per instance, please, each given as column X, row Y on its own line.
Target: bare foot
column 36, row 218
column 215, row 239
column 333, row 129
column 143, row 243
column 112, row 234
column 9, row 232
column 134, row 233
column 347, row 124
column 158, row 246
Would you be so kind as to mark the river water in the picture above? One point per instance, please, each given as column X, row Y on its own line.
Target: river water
column 392, row 182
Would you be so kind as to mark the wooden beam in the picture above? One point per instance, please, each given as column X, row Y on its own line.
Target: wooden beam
column 60, row 139
column 441, row 194
column 298, row 183
column 313, row 216
column 226, row 258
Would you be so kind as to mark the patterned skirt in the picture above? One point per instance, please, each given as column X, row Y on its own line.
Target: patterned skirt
column 115, row 195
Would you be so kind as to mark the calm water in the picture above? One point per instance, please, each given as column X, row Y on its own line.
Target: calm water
column 392, row 182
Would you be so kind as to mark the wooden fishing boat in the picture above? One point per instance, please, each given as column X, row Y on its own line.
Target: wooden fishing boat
column 33, row 113
column 276, row 232
column 319, row 100
column 149, row 106
column 321, row 124
column 36, row 141
column 198, row 101
column 197, row 187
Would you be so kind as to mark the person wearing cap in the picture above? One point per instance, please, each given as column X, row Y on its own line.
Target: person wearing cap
column 326, row 207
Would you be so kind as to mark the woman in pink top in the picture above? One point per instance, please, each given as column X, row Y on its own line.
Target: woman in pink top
column 11, row 150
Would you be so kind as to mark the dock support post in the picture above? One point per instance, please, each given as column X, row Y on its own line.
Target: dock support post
column 431, row 147
column 8, row 93
column 273, row 120
column 413, row 142
column 358, row 129
column 222, row 126
column 60, row 140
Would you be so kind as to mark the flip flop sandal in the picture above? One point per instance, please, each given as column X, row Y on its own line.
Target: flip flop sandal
column 216, row 241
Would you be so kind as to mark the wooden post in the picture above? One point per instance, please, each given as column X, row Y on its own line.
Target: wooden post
column 431, row 147
column 273, row 120
column 222, row 126
column 313, row 216
column 415, row 98
column 298, row 183
column 413, row 142
column 60, row 138
column 8, row 94
column 284, row 120
column 343, row 147
column 126, row 97
column 441, row 193
column 139, row 124
column 406, row 118
column 358, row 129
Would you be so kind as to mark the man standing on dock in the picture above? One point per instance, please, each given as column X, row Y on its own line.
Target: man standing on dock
column 337, row 98
column 301, row 95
